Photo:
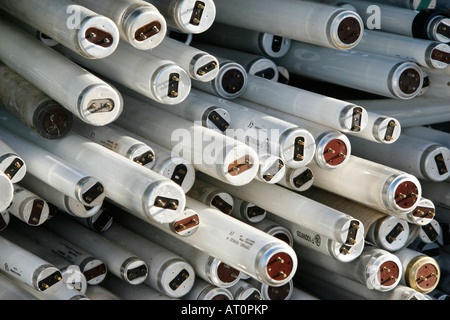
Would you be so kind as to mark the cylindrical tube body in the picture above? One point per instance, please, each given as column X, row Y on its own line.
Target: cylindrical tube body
column 230, row 81
column 55, row 171
column 58, row 199
column 69, row 24
column 188, row 16
column 208, row 151
column 265, row 133
column 206, row 267
column 212, row 196
column 139, row 22
column 300, row 179
column 29, row 268
column 429, row 134
column 241, row 246
column 12, row 163
column 420, row 271
column 334, row 113
column 92, row 268
column 419, row 157
column 119, row 142
column 375, row 268
column 66, row 82
column 426, row 53
column 139, row 189
column 306, row 21
column 201, row 65
column 380, row 129
column 332, row 147
column 254, row 64
column 372, row 184
column 159, row 79
column 31, row 106
column 168, row 273
column 121, row 262
column 29, row 207
column 325, row 220
column 377, row 74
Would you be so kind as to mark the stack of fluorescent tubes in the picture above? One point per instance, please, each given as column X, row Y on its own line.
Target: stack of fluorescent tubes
column 181, row 150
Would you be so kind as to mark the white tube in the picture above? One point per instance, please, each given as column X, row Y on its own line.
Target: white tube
column 423, row 214
column 420, row 271
column 139, row 22
column 305, row 21
column 206, row 267
column 425, row 24
column 173, row 167
column 67, row 83
column 426, row 53
column 212, row 196
column 11, row 291
column 68, row 23
column 375, row 268
column 57, row 172
column 139, row 190
column 320, row 281
column 230, row 81
column 388, row 233
column 188, row 16
column 247, row 212
column 300, row 179
column 421, row 158
column 275, row 229
column 241, row 246
column 159, row 79
column 429, row 134
column 201, row 65
column 311, row 240
column 208, row 151
column 385, row 76
column 265, row 133
column 251, row 41
column 410, row 4
column 28, row 207
column 120, row 262
column 332, row 147
column 117, row 141
column 166, row 163
column 31, row 106
column 254, row 64
column 334, row 113
column 371, row 184
column 380, row 129
column 93, row 269
column 56, row 198
column 407, row 111
column 12, row 163
column 295, row 208
column 168, row 273
column 72, row 277
column 28, row 268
